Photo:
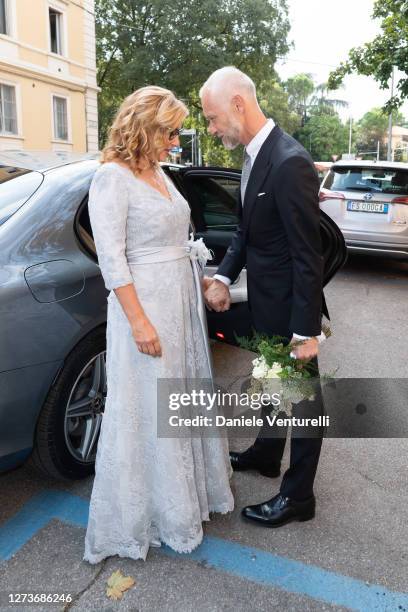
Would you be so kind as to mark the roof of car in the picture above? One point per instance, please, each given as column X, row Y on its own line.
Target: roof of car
column 42, row 160
column 370, row 164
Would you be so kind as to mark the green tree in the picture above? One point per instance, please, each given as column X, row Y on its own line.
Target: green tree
column 324, row 134
column 389, row 49
column 299, row 89
column 274, row 101
column 178, row 44
column 372, row 128
column 304, row 96
column 321, row 98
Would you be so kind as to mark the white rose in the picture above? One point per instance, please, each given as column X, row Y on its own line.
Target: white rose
column 274, row 371
column 260, row 368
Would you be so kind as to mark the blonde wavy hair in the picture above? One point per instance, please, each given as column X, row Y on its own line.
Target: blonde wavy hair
column 140, row 126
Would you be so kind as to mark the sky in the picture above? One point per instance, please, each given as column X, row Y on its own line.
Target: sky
column 323, row 31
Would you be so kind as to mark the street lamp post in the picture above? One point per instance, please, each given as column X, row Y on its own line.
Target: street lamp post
column 196, row 157
column 389, row 145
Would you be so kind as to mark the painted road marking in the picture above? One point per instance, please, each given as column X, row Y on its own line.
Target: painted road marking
column 235, row 559
column 36, row 514
column 294, row 576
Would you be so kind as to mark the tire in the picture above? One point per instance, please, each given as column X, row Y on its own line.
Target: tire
column 60, row 432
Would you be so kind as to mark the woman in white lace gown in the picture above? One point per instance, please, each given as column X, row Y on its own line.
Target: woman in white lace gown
column 148, row 489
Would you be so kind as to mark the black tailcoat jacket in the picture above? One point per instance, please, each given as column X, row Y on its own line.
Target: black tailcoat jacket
column 278, row 239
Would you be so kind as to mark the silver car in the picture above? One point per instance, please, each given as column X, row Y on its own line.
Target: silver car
column 369, row 202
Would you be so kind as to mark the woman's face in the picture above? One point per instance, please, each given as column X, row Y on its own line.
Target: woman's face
column 171, row 139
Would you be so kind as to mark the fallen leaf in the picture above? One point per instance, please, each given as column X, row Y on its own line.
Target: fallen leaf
column 118, row 584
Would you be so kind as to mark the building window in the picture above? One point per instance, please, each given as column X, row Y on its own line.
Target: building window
column 8, row 110
column 3, row 17
column 60, row 118
column 55, row 31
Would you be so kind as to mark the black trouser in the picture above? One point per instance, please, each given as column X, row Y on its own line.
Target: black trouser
column 297, row 482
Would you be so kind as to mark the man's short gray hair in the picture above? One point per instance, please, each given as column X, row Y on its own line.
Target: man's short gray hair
column 229, row 81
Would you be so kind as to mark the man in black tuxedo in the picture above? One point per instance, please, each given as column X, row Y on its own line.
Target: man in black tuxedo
column 278, row 239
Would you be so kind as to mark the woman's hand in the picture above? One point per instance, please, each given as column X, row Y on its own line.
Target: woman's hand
column 146, row 337
column 206, row 282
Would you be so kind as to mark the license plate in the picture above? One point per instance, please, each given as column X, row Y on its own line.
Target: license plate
column 370, row 207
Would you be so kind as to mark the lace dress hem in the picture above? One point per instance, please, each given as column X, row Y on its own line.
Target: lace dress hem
column 138, row 551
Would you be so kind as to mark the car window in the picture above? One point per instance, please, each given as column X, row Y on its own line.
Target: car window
column 83, row 229
column 381, row 180
column 217, row 198
column 16, row 186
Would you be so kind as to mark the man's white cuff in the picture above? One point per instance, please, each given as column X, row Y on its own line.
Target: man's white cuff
column 320, row 338
column 223, row 279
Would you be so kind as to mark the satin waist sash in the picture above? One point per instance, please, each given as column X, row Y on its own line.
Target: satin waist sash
column 153, row 255
column 198, row 254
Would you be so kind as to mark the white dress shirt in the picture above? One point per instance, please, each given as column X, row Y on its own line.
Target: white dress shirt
column 253, row 148
column 256, row 143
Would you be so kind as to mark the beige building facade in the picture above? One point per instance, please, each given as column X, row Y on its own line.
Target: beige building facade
column 400, row 142
column 48, row 90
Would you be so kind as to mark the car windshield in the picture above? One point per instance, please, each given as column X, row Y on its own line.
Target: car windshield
column 16, row 186
column 380, row 180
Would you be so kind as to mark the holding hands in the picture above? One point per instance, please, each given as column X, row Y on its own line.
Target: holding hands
column 216, row 294
column 217, row 297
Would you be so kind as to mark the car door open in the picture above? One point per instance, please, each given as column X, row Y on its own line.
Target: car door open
column 213, row 197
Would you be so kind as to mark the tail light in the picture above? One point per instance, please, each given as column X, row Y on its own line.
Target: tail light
column 401, row 200
column 326, row 194
column 220, row 335
column 400, row 215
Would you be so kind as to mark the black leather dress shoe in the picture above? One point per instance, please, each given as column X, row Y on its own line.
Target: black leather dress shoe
column 246, row 461
column 280, row 510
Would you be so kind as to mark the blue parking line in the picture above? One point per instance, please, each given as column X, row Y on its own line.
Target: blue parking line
column 36, row 514
column 235, row 559
column 294, row 576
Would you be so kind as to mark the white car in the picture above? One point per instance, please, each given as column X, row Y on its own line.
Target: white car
column 369, row 202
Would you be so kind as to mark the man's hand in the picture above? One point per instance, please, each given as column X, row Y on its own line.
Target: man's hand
column 217, row 295
column 305, row 349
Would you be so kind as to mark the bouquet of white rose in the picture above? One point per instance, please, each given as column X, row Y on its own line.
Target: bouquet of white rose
column 297, row 378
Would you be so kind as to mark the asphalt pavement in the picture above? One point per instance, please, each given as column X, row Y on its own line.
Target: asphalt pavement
column 352, row 556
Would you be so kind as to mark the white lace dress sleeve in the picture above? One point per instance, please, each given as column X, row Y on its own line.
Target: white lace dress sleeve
column 108, row 212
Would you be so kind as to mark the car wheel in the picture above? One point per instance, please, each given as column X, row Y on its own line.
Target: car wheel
column 68, row 427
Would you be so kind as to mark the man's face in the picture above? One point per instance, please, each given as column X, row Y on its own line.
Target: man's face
column 221, row 123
